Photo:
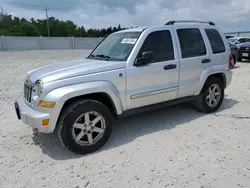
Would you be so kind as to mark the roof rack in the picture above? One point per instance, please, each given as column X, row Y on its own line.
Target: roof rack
column 188, row 21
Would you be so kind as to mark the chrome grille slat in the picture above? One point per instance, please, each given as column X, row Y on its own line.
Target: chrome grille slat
column 27, row 91
column 28, row 94
column 24, row 91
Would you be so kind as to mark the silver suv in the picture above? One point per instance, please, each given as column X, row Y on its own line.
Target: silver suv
column 129, row 71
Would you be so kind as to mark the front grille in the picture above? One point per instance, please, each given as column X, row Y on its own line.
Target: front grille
column 244, row 49
column 27, row 91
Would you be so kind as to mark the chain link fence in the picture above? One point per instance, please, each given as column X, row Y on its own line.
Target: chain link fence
column 239, row 34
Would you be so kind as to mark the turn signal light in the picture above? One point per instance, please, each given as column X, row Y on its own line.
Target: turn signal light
column 46, row 104
column 45, row 122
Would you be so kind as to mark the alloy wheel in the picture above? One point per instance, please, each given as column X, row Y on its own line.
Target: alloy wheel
column 88, row 128
column 213, row 95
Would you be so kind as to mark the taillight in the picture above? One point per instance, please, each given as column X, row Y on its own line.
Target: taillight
column 230, row 63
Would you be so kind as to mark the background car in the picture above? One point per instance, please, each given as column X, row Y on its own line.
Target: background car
column 235, row 52
column 238, row 40
column 229, row 36
column 244, row 51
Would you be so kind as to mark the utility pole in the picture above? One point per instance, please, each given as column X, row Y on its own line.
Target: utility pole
column 46, row 10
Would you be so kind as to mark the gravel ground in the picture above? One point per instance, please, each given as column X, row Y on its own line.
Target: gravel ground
column 175, row 147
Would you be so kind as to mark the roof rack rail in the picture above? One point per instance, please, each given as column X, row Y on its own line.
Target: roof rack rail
column 188, row 21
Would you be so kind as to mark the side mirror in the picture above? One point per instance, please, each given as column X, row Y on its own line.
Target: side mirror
column 146, row 57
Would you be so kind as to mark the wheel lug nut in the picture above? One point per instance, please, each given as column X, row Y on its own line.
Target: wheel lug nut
column 89, row 132
column 92, row 127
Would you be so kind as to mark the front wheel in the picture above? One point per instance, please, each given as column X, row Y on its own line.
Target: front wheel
column 211, row 96
column 85, row 126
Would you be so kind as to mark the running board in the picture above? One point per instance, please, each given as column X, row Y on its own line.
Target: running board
column 156, row 106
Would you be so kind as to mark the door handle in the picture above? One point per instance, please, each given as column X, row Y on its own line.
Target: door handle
column 206, row 61
column 172, row 66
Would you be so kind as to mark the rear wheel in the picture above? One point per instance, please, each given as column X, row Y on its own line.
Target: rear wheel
column 85, row 126
column 211, row 96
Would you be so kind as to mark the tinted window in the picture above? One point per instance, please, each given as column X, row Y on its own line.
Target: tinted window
column 191, row 43
column 160, row 43
column 241, row 41
column 247, row 40
column 215, row 40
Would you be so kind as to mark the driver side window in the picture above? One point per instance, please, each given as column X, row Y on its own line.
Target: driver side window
column 160, row 43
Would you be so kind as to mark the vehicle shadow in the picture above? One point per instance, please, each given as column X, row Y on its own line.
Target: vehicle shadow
column 244, row 61
column 236, row 67
column 129, row 128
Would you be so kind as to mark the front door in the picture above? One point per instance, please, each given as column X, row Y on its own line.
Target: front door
column 157, row 81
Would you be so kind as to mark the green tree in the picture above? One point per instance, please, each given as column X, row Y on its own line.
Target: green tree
column 15, row 26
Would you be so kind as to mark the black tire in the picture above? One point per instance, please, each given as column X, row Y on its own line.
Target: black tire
column 68, row 117
column 200, row 103
column 234, row 59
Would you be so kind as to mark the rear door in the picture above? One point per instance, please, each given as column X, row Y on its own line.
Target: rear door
column 194, row 57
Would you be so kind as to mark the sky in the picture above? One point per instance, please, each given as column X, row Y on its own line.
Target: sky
column 228, row 15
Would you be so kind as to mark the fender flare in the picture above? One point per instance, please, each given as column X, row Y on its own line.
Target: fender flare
column 62, row 94
column 208, row 72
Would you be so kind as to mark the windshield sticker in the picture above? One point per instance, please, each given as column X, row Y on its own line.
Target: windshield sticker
column 129, row 41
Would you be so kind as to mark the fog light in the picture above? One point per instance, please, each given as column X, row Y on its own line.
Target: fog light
column 45, row 122
column 45, row 104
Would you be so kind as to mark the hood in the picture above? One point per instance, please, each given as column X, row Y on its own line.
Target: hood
column 247, row 44
column 70, row 69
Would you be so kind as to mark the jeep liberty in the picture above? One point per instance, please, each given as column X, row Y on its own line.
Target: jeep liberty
column 129, row 71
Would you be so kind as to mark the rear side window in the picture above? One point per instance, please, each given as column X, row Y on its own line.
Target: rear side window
column 160, row 43
column 215, row 40
column 191, row 42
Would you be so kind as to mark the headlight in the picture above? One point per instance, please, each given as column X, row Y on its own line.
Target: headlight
column 37, row 90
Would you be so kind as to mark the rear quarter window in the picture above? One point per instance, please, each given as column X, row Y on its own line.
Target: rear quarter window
column 215, row 40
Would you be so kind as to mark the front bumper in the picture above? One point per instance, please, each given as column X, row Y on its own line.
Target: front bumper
column 244, row 55
column 30, row 116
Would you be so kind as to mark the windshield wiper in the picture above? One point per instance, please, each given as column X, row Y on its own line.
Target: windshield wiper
column 103, row 56
column 100, row 56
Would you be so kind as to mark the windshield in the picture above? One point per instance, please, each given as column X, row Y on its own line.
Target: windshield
column 232, row 40
column 116, row 46
column 231, row 45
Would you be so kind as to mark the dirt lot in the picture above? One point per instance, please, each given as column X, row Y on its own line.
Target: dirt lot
column 173, row 147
